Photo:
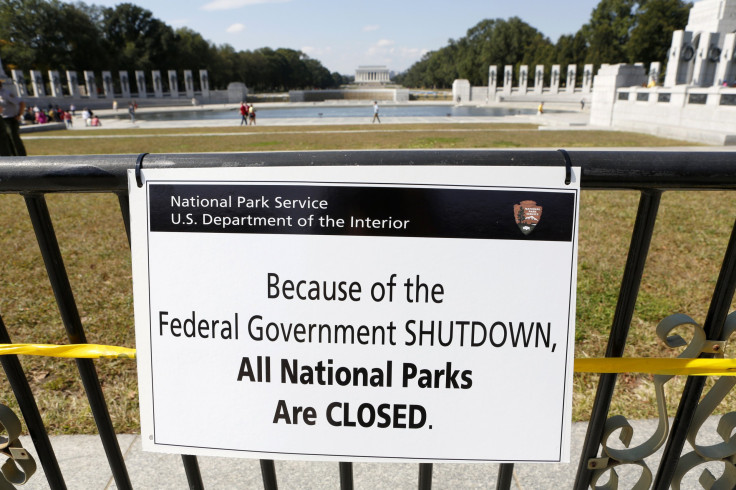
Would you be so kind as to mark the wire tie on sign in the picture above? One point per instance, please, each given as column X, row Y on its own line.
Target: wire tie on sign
column 568, row 167
column 138, row 167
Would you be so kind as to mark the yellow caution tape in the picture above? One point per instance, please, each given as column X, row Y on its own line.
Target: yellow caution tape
column 87, row 351
column 687, row 367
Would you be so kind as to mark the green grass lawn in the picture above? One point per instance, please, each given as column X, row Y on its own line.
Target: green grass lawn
column 686, row 253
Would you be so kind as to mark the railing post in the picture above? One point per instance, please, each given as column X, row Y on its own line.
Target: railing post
column 641, row 238
column 31, row 415
column 42, row 226
column 346, row 476
column 425, row 476
column 505, row 476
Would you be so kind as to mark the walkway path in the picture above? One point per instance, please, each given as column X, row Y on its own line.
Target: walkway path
column 83, row 464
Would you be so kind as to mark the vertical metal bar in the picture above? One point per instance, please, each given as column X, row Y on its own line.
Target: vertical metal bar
column 31, row 415
column 641, row 238
column 125, row 210
column 268, row 473
column 425, row 476
column 346, row 476
column 194, row 476
column 722, row 296
column 42, row 226
column 505, row 476
column 191, row 465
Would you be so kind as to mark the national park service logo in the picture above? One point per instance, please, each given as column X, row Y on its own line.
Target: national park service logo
column 527, row 215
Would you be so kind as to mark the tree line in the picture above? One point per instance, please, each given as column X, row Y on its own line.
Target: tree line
column 619, row 31
column 51, row 35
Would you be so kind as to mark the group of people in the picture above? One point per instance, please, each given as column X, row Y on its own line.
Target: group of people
column 247, row 114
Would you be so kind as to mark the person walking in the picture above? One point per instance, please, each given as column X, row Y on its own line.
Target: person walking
column 131, row 111
column 243, row 114
column 252, row 114
column 375, row 112
column 12, row 108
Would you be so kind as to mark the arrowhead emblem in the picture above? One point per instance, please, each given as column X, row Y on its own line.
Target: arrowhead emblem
column 527, row 215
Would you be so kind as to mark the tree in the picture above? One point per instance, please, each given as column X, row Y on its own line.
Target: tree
column 47, row 35
column 136, row 39
column 651, row 37
column 607, row 33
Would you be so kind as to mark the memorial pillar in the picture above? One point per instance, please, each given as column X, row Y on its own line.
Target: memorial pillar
column 572, row 73
column 189, row 83
column 89, row 81
column 140, row 83
column 707, row 55
column 492, row 81
column 587, row 78
column 72, row 80
column 158, row 87
column 725, row 70
column 107, row 85
column 538, row 79
column 681, row 59
column 20, row 82
column 204, row 83
column 508, row 79
column 55, row 84
column 523, row 79
column 655, row 69
column 173, row 84
column 554, row 85
column 124, row 84
column 39, row 90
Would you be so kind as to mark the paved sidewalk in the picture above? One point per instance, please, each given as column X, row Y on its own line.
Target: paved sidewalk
column 83, row 464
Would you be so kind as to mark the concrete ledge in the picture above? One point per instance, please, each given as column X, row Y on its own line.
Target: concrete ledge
column 38, row 128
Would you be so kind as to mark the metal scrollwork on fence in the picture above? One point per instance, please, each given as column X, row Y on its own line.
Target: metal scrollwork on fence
column 723, row 452
column 635, row 455
column 20, row 465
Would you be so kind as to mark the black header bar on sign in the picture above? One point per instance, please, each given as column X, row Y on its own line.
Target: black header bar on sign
column 297, row 209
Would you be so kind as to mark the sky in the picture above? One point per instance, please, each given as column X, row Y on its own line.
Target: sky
column 345, row 34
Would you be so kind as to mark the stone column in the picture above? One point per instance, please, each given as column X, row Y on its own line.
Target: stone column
column 173, row 84
column 158, row 86
column 89, row 81
column 587, row 78
column 461, row 91
column 55, row 83
column 107, row 85
column 708, row 54
column 204, row 83
column 655, row 68
column 20, row 82
column 554, row 85
column 492, row 81
column 538, row 79
column 124, row 84
column 140, row 83
column 189, row 83
column 72, row 80
column 572, row 74
column 508, row 79
column 681, row 59
column 39, row 90
column 724, row 71
column 523, row 79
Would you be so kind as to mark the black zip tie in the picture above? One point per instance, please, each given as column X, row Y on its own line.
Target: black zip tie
column 138, row 167
column 568, row 167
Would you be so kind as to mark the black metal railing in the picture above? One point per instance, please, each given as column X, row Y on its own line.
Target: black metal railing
column 649, row 172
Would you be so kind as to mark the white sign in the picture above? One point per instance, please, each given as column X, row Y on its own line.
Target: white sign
column 356, row 313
